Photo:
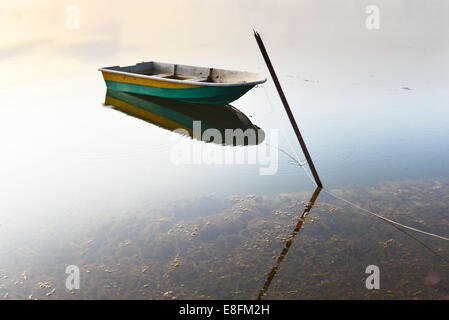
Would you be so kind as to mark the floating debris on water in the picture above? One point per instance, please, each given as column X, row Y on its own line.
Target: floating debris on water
column 124, row 243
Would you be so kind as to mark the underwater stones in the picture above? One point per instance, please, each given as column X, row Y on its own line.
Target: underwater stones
column 334, row 244
column 416, row 293
column 311, row 219
column 168, row 294
column 432, row 278
column 44, row 285
column 387, row 243
column 332, row 209
column 176, row 262
column 124, row 243
column 51, row 292
column 144, row 269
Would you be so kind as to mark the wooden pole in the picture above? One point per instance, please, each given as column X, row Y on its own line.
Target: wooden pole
column 287, row 109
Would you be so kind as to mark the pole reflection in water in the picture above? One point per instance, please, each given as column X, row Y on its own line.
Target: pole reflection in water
column 289, row 242
column 173, row 115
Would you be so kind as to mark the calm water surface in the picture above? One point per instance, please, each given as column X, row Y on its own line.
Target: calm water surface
column 84, row 184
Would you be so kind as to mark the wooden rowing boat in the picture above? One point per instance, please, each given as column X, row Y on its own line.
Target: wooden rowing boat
column 181, row 82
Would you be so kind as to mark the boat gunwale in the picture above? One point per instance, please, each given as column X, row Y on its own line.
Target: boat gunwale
column 196, row 83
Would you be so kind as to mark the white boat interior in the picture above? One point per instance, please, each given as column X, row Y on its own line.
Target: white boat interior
column 170, row 71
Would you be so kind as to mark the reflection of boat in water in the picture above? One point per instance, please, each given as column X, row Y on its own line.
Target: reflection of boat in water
column 174, row 115
column 181, row 82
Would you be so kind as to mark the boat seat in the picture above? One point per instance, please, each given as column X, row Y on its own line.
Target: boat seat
column 162, row 75
column 198, row 79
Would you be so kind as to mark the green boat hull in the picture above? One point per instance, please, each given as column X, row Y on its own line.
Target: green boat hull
column 203, row 95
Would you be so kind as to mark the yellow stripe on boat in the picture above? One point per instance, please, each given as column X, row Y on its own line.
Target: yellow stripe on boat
column 109, row 76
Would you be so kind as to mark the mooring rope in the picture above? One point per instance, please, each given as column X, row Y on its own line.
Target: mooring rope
column 384, row 218
column 282, row 129
column 302, row 165
column 375, row 214
column 393, row 223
